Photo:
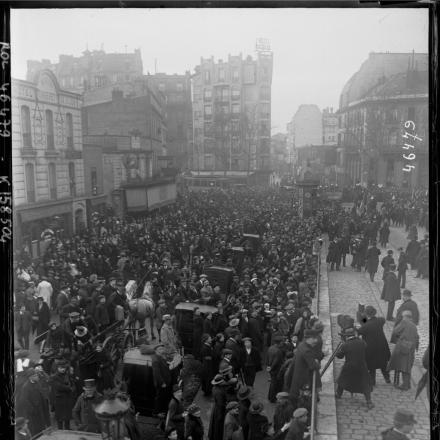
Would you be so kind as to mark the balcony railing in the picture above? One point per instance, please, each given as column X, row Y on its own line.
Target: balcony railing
column 28, row 152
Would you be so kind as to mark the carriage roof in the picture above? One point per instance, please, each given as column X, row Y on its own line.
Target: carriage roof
column 61, row 434
column 255, row 236
column 133, row 356
column 191, row 306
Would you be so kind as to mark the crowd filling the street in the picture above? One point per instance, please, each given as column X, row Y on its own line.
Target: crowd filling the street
column 199, row 298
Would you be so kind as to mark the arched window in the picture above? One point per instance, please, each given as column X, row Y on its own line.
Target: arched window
column 30, row 182
column 72, row 182
column 52, row 181
column 49, row 130
column 26, row 126
column 69, row 122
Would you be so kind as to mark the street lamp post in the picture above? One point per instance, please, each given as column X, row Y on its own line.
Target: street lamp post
column 110, row 413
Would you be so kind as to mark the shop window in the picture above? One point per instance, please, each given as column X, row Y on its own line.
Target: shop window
column 52, row 181
column 30, row 182
column 49, row 130
column 69, row 122
column 26, row 126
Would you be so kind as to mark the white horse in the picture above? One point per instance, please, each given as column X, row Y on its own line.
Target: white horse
column 142, row 311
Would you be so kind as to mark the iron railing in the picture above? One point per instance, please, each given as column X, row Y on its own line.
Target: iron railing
column 313, row 417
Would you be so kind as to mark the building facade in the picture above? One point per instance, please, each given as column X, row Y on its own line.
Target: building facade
column 47, row 161
column 177, row 91
column 279, row 154
column 232, row 113
column 94, row 69
column 122, row 171
column 307, row 125
column 376, row 140
column 329, row 127
column 129, row 109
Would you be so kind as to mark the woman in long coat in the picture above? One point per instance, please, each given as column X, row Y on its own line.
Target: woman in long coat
column 218, row 414
column 377, row 351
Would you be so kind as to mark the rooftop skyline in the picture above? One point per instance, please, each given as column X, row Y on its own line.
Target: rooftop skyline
column 316, row 51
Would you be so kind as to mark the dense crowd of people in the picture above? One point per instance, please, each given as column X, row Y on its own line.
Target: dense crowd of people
column 138, row 270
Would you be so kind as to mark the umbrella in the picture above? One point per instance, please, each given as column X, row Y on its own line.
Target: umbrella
column 422, row 383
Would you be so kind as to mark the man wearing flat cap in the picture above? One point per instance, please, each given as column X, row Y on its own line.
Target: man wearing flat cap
column 377, row 351
column 275, row 358
column 403, row 424
column 162, row 379
column 298, row 425
column 354, row 375
column 83, row 411
column 283, row 410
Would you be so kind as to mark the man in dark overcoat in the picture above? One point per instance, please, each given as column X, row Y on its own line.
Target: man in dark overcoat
column 252, row 362
column 32, row 404
column 372, row 260
column 406, row 338
column 207, row 358
column 283, row 411
column 334, row 254
column 83, row 411
column 408, row 304
column 305, row 364
column 218, row 413
column 412, row 250
column 43, row 314
column 234, row 344
column 255, row 331
column 275, row 358
column 62, row 392
column 354, row 375
column 386, row 262
column 377, row 350
column 391, row 291
column 162, row 379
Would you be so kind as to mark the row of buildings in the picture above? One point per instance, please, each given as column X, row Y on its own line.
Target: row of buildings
column 364, row 140
column 94, row 134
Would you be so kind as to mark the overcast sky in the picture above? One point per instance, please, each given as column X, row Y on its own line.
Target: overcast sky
column 315, row 50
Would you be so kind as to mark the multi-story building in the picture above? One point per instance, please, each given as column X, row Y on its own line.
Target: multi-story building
column 279, row 154
column 177, row 91
column 123, row 172
column 375, row 106
column 232, row 113
column 47, row 162
column 329, row 127
column 131, row 108
column 307, row 126
column 91, row 70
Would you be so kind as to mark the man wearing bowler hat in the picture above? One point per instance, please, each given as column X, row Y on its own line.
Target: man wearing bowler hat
column 83, row 411
column 407, row 304
column 403, row 424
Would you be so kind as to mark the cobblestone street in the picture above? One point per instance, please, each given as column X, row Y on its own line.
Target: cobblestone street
column 347, row 289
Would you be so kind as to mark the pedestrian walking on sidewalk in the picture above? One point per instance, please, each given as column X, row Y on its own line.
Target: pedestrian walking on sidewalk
column 391, row 291
column 386, row 262
column 406, row 338
column 402, row 267
column 372, row 260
